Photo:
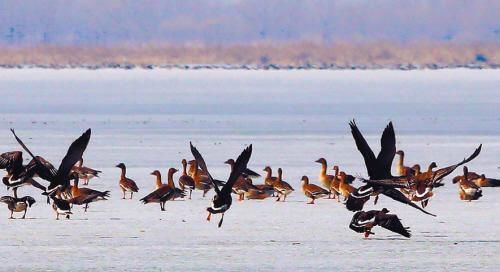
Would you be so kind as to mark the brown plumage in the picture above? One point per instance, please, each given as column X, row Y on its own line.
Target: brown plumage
column 324, row 178
column 312, row 191
column 84, row 172
column 201, row 182
column 467, row 189
column 282, row 187
column 185, row 181
column 126, row 184
column 345, row 188
column 164, row 193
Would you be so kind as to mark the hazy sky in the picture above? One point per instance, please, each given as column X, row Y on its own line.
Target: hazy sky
column 224, row 21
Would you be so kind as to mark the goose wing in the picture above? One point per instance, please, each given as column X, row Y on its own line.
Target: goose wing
column 398, row 196
column 201, row 163
column 73, row 155
column 364, row 148
column 11, row 161
column 399, row 182
column 387, row 152
column 239, row 166
column 443, row 172
column 393, row 223
column 251, row 173
column 37, row 165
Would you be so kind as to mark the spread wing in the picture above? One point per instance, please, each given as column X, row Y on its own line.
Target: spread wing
column 398, row 196
column 364, row 148
column 201, row 163
column 443, row 172
column 392, row 223
column 239, row 166
column 400, row 182
column 251, row 173
column 41, row 167
column 387, row 151
column 37, row 165
column 74, row 154
column 11, row 160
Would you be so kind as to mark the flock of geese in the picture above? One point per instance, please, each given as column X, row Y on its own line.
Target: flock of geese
column 410, row 186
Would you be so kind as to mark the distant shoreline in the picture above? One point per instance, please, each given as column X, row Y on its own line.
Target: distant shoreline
column 129, row 66
column 258, row 56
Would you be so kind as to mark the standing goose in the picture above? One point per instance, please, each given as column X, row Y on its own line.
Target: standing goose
column 363, row 222
column 282, row 187
column 269, row 179
column 84, row 172
column 323, row 177
column 186, row 181
column 60, row 206
column 243, row 184
column 201, row 181
column 126, row 184
column 345, row 188
column 18, row 204
column 222, row 200
column 81, row 196
column 58, row 178
column 164, row 193
column 378, row 168
column 401, row 168
column 467, row 189
column 312, row 191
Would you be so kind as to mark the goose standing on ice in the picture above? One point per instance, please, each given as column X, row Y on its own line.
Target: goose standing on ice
column 18, row 204
column 126, row 184
column 312, row 191
column 84, row 172
column 185, row 181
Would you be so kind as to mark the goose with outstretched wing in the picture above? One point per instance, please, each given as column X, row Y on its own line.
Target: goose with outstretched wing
column 378, row 168
column 58, row 178
column 222, row 200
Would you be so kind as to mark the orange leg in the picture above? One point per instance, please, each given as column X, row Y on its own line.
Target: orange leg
column 209, row 216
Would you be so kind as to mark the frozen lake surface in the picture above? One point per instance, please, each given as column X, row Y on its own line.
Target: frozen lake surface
column 147, row 118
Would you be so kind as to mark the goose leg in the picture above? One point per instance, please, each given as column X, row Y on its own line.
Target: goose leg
column 24, row 215
column 86, row 206
column 123, row 194
column 11, row 214
column 221, row 219
column 375, row 201
column 131, row 193
column 57, row 216
column 311, row 202
column 190, row 191
column 209, row 216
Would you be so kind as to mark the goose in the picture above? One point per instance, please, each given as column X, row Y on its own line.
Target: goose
column 165, row 192
column 126, row 184
column 84, row 172
column 345, row 188
column 186, row 181
column 18, row 204
column 323, row 177
column 363, row 222
column 282, row 187
column 312, row 191
column 401, row 168
column 378, row 168
column 85, row 196
column 222, row 200
column 201, row 182
column 58, row 178
column 60, row 206
column 467, row 189
column 244, row 183
column 423, row 184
